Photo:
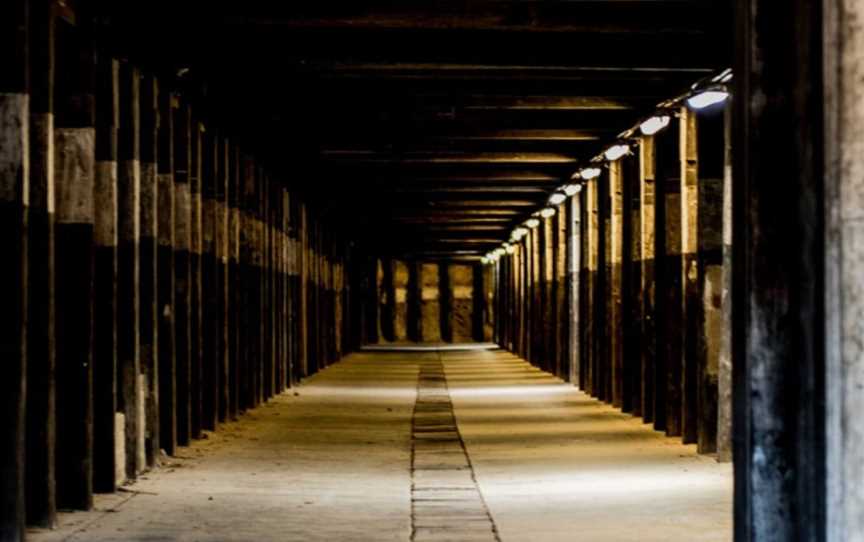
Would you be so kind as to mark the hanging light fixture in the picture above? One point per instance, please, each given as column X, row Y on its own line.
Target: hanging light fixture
column 532, row 223
column 707, row 98
column 572, row 189
column 510, row 249
column 616, row 151
column 557, row 198
column 547, row 212
column 518, row 234
column 590, row 173
column 654, row 124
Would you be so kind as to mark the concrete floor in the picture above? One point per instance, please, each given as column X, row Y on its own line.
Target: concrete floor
column 332, row 461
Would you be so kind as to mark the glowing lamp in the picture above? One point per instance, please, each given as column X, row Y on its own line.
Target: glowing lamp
column 654, row 124
column 590, row 173
column 557, row 198
column 572, row 189
column 707, row 98
column 616, row 151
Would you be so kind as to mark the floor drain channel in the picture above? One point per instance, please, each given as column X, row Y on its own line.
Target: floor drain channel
column 446, row 503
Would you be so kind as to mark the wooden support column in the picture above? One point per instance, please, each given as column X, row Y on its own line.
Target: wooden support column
column 692, row 331
column 182, row 289
column 413, row 311
column 616, row 253
column 196, row 353
column 779, row 323
column 303, row 297
column 41, row 429
column 724, row 377
column 478, row 302
column 709, row 326
column 647, row 285
column 602, row 346
column 843, row 44
column 209, row 284
column 388, row 294
column 574, row 234
column 294, row 293
column 561, row 323
column 400, row 295
column 223, row 288
column 14, row 197
column 267, row 291
column 244, row 293
column 167, row 348
column 234, row 281
column 129, row 399
column 148, row 259
column 588, row 316
column 106, row 476
column 74, row 161
column 445, row 302
column 669, row 360
column 532, row 297
column 631, row 277
column 546, row 324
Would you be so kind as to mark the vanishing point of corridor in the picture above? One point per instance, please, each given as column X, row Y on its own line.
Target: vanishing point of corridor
column 332, row 460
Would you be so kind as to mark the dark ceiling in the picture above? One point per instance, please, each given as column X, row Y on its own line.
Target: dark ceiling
column 430, row 129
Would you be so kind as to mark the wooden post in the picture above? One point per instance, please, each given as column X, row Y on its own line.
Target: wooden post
column 167, row 346
column 589, row 288
column 669, row 282
column 105, row 468
column 196, row 355
column 209, row 283
column 724, row 377
column 14, row 196
column 692, row 330
column 413, row 311
column 779, row 323
column 602, row 354
column 709, row 329
column 128, row 269
column 41, row 429
column 616, row 252
column 575, row 232
column 182, row 288
column 74, row 162
column 478, row 302
column 223, row 286
column 631, row 276
column 445, row 302
column 148, row 259
column 234, row 281
column 648, row 332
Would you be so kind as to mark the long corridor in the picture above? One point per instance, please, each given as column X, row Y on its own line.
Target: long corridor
column 335, row 459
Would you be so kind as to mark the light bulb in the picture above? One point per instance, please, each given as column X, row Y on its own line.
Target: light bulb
column 557, row 198
column 509, row 248
column 616, row 151
column 707, row 98
column 590, row 173
column 518, row 234
column 654, row 124
column 572, row 189
column 547, row 212
column 532, row 223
